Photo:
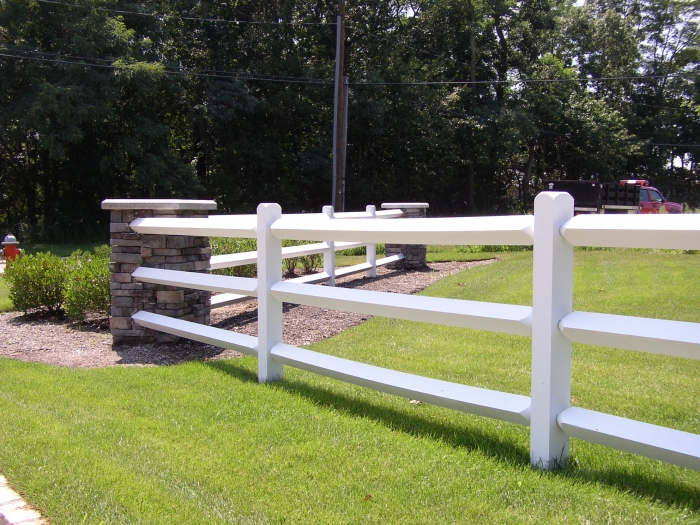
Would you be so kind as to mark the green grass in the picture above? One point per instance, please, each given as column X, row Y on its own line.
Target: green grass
column 205, row 443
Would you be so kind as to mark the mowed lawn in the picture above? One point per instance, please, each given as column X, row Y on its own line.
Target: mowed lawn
column 202, row 443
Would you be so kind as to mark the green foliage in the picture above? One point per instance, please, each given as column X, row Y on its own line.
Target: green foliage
column 311, row 262
column 5, row 303
column 87, row 283
column 79, row 284
column 289, row 264
column 226, row 245
column 565, row 90
column 434, row 248
column 36, row 282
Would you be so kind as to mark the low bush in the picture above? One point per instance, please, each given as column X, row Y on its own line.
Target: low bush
column 360, row 250
column 87, row 283
column 36, row 282
column 226, row 245
column 311, row 262
column 79, row 284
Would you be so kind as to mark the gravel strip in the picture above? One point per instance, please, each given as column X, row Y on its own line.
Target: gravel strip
column 39, row 338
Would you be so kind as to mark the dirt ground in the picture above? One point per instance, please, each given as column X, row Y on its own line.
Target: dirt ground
column 39, row 338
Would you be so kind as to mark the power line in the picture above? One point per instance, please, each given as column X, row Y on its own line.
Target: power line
column 223, row 75
column 520, row 81
column 175, row 17
column 111, row 61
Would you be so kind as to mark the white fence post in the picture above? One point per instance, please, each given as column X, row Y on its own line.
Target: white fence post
column 552, row 300
column 270, row 320
column 329, row 254
column 372, row 248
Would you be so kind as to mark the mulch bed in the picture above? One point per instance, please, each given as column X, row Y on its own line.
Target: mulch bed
column 40, row 338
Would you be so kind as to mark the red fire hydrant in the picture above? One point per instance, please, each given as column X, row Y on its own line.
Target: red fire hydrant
column 10, row 249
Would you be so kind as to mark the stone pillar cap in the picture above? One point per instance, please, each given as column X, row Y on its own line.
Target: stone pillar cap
column 404, row 205
column 157, row 204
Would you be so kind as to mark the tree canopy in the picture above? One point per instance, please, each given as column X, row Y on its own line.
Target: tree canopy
column 466, row 104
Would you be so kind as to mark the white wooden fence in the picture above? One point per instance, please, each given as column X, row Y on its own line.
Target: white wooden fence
column 328, row 249
column 553, row 325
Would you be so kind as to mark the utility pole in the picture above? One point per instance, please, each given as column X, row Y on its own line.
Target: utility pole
column 340, row 118
column 472, row 77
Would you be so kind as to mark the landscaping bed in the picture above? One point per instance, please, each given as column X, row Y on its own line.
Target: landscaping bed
column 56, row 341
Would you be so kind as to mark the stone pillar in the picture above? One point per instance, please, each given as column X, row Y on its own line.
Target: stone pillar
column 129, row 250
column 414, row 254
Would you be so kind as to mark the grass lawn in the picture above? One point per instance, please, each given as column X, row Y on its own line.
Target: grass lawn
column 205, row 443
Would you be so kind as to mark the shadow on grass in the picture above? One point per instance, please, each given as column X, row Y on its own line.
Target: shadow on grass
column 640, row 484
column 242, row 374
column 490, row 444
column 648, row 486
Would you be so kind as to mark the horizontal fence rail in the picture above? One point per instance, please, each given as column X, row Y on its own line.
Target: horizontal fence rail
column 327, row 249
column 672, row 231
column 239, row 259
column 505, row 318
column 550, row 321
column 511, row 230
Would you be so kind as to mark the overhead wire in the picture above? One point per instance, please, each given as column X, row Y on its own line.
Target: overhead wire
column 180, row 17
column 218, row 74
column 70, row 59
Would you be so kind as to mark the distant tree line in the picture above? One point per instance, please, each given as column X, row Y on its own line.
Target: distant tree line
column 466, row 104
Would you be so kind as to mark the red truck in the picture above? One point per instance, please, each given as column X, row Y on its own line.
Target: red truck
column 627, row 196
column 652, row 200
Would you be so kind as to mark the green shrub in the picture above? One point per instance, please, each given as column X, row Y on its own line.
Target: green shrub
column 226, row 245
column 36, row 281
column 87, row 283
column 311, row 262
column 360, row 250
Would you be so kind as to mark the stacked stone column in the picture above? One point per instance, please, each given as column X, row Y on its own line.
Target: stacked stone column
column 414, row 254
column 129, row 250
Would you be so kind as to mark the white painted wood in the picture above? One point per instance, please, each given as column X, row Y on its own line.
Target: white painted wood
column 232, row 259
column 352, row 215
column 270, row 321
column 306, row 249
column 652, row 441
column 656, row 336
column 504, row 318
column 489, row 403
column 329, row 255
column 197, row 281
column 214, row 225
column 551, row 352
column 226, row 299
column 350, row 270
column 514, row 229
column 372, row 248
column 389, row 214
column 239, row 259
column 672, row 231
column 198, row 332
column 387, row 260
column 312, row 278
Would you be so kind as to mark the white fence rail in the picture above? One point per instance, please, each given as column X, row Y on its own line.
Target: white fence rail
column 553, row 230
column 330, row 272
